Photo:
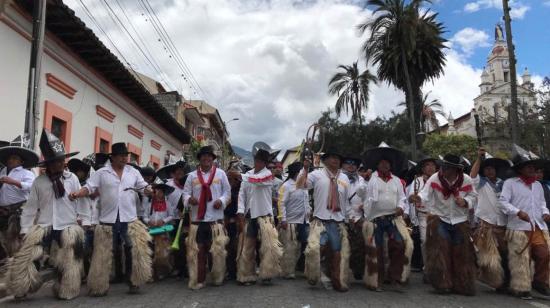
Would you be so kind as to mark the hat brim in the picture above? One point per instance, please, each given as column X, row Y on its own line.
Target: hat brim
column 356, row 161
column 164, row 187
column 76, row 164
column 539, row 163
column 64, row 156
column 121, row 153
column 206, row 153
column 30, row 158
column 452, row 165
column 394, row 156
column 421, row 163
column 164, row 172
column 329, row 154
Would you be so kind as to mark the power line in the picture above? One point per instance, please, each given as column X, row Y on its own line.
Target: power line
column 171, row 48
column 121, row 25
column 97, row 24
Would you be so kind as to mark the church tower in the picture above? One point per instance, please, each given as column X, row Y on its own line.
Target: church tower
column 495, row 91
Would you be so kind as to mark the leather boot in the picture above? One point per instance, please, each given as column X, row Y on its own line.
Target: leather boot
column 335, row 272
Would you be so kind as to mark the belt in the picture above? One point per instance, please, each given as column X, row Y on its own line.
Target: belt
column 196, row 223
column 8, row 210
column 391, row 216
column 329, row 220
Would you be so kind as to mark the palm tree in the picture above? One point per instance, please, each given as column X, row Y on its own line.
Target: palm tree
column 352, row 89
column 407, row 47
column 430, row 109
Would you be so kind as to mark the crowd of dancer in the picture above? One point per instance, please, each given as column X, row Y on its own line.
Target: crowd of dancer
column 101, row 220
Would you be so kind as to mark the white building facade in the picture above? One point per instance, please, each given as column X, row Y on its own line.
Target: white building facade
column 81, row 102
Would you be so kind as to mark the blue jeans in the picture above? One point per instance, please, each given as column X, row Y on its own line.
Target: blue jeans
column 331, row 235
column 450, row 233
column 385, row 224
column 302, row 232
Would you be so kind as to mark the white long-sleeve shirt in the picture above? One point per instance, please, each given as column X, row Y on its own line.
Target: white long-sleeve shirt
column 319, row 181
column 487, row 208
column 357, row 199
column 447, row 209
column 293, row 204
column 166, row 216
column 517, row 196
column 383, row 198
column 58, row 213
column 176, row 195
column 11, row 194
column 220, row 189
column 256, row 195
column 117, row 198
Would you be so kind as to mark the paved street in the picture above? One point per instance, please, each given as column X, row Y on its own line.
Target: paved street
column 281, row 293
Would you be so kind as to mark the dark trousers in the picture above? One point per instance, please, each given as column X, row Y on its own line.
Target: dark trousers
column 385, row 225
column 121, row 241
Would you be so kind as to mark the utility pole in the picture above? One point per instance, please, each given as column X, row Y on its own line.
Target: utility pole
column 33, row 90
column 513, row 81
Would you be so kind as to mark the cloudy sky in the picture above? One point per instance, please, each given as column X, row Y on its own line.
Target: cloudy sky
column 268, row 62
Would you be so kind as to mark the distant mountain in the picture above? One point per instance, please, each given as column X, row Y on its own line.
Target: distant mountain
column 244, row 154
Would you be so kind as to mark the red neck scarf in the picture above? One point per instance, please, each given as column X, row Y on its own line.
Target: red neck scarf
column 528, row 180
column 206, row 193
column 447, row 190
column 385, row 176
column 159, row 205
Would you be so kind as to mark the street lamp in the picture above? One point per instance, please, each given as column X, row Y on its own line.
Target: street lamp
column 223, row 139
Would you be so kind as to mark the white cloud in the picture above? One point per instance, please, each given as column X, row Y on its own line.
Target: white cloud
column 268, row 63
column 518, row 8
column 468, row 39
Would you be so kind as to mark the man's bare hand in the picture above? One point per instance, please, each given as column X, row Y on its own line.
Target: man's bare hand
column 546, row 217
column 218, row 204
column 415, row 199
column 399, row 211
column 481, row 152
column 193, row 201
column 461, row 202
column 284, row 225
column 523, row 216
column 307, row 164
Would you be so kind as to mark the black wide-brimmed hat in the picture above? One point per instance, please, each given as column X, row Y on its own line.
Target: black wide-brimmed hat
column 96, row 160
column 295, row 167
column 52, row 148
column 206, row 150
column 501, row 166
column 161, row 184
column 119, row 148
column 426, row 159
column 385, row 152
column 147, row 171
column 451, row 160
column 352, row 160
column 331, row 151
column 75, row 164
column 263, row 155
column 165, row 172
column 522, row 157
column 20, row 147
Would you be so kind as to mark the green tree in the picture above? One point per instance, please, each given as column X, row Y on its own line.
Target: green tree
column 462, row 145
column 352, row 89
column 430, row 108
column 406, row 45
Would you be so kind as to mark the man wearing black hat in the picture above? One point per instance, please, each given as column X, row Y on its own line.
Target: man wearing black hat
column 357, row 189
column 522, row 200
column 15, row 185
column 384, row 210
column 490, row 237
column 294, row 211
column 206, row 193
column 255, row 212
column 118, row 223
column 450, row 256
column 51, row 216
column 418, row 212
column 328, row 234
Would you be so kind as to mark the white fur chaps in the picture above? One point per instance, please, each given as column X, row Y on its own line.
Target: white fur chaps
column 291, row 250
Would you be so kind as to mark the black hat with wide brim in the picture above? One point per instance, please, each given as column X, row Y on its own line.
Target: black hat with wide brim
column 206, row 150
column 420, row 163
column 350, row 159
column 75, row 164
column 501, row 166
column 30, row 158
column 263, row 155
column 521, row 158
column 52, row 148
column 119, row 148
column 165, row 172
column 164, row 187
column 453, row 161
column 384, row 152
column 331, row 151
